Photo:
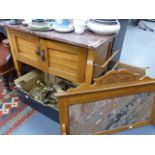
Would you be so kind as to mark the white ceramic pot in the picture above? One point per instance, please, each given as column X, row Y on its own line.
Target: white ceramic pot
column 79, row 29
column 79, row 25
column 103, row 28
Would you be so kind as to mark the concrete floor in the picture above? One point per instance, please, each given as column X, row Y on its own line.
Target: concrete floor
column 38, row 124
column 139, row 50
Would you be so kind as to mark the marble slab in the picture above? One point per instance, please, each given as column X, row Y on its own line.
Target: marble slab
column 87, row 39
column 93, row 117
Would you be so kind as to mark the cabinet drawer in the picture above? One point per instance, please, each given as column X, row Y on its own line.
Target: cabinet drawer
column 66, row 61
column 25, row 84
column 25, row 47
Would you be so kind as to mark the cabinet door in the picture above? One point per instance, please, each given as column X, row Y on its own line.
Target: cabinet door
column 64, row 60
column 104, row 109
column 26, row 49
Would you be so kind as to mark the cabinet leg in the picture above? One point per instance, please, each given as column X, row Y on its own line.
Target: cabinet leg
column 89, row 67
column 17, row 64
column 18, row 67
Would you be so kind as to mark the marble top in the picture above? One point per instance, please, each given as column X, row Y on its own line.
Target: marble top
column 87, row 39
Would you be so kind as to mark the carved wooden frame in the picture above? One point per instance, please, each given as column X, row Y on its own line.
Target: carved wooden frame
column 115, row 83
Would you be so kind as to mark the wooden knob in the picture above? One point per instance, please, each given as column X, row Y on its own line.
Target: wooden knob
column 37, row 51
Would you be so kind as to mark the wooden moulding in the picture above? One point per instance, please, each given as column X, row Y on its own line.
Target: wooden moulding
column 113, row 78
column 135, row 125
column 134, row 69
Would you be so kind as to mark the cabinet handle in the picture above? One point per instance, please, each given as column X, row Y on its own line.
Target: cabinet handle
column 42, row 55
column 37, row 51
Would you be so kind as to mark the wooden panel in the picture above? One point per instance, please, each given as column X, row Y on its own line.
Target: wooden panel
column 101, row 55
column 24, row 49
column 66, row 61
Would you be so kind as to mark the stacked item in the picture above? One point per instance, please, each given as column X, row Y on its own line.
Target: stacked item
column 63, row 25
column 59, row 25
column 44, row 92
column 40, row 25
column 99, row 26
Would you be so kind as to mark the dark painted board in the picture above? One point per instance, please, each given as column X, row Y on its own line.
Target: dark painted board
column 45, row 110
column 119, row 38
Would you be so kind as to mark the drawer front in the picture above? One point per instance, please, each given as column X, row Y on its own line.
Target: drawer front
column 105, row 109
column 25, row 47
column 65, row 60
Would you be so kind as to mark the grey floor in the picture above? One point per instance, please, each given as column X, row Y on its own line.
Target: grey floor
column 139, row 50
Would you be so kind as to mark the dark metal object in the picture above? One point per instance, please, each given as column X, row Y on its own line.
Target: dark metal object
column 42, row 55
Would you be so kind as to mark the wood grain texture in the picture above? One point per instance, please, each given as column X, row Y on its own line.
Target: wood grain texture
column 103, row 54
column 63, row 112
column 12, row 46
column 24, row 47
column 89, row 66
column 64, row 60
